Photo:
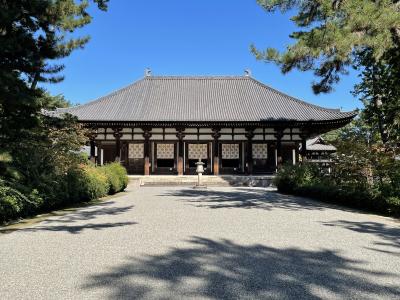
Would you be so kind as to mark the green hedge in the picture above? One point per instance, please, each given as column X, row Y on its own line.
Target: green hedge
column 81, row 184
column 117, row 177
column 306, row 180
column 87, row 182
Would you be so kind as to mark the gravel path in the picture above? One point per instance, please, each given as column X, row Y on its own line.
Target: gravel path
column 219, row 243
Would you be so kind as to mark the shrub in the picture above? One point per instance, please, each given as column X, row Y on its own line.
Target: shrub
column 82, row 183
column 87, row 182
column 117, row 177
column 290, row 178
column 306, row 180
column 14, row 204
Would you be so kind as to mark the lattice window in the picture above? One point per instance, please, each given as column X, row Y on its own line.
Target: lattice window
column 197, row 151
column 165, row 151
column 230, row 151
column 260, row 151
column 136, row 151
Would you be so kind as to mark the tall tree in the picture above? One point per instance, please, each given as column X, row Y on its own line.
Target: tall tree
column 332, row 33
column 379, row 90
column 33, row 34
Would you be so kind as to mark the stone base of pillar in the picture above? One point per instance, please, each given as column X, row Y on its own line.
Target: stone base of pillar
column 180, row 166
column 216, row 166
column 146, row 166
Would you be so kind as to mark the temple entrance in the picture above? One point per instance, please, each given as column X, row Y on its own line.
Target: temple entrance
column 109, row 153
column 263, row 158
column 164, row 158
column 231, row 158
column 135, row 163
column 194, row 152
column 260, row 157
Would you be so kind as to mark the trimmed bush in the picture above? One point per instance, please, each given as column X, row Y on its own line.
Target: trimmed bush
column 86, row 183
column 82, row 183
column 117, row 177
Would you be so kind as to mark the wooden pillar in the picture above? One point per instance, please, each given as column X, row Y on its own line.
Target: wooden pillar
column 92, row 141
column 304, row 134
column 146, row 135
column 117, row 134
column 303, row 147
column 180, row 135
column 92, row 150
column 216, row 135
column 279, row 135
column 249, row 150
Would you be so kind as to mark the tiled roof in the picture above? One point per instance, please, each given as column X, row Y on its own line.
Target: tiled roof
column 319, row 144
column 204, row 99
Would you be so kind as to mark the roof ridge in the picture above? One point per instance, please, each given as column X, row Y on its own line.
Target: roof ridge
column 196, row 77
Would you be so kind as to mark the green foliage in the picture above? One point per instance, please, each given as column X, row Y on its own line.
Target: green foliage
column 41, row 167
column 14, row 204
column 81, row 183
column 33, row 34
column 44, row 154
column 331, row 34
column 379, row 90
column 87, row 182
column 369, row 180
column 117, row 177
column 290, row 177
column 52, row 102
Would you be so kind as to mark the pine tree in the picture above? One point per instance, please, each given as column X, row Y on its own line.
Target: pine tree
column 33, row 34
column 331, row 35
column 379, row 90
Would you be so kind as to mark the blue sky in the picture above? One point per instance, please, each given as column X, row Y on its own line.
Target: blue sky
column 185, row 37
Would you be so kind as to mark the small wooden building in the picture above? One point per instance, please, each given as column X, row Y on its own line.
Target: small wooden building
column 234, row 124
column 320, row 152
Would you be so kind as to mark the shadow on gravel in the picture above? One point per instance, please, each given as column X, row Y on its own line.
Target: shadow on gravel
column 75, row 229
column 391, row 235
column 245, row 198
column 67, row 222
column 225, row 270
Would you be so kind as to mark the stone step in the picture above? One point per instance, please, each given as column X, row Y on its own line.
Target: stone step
column 209, row 180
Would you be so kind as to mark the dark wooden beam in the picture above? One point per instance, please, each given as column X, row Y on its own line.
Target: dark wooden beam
column 249, row 150
column 117, row 134
column 146, row 134
column 180, row 135
column 303, row 146
column 216, row 135
column 278, row 135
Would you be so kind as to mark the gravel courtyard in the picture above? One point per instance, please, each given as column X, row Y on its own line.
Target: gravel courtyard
column 219, row 243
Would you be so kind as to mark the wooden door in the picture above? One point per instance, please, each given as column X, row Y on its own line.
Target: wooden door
column 230, row 158
column 135, row 162
column 260, row 155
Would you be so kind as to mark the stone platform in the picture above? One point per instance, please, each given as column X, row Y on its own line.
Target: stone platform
column 208, row 180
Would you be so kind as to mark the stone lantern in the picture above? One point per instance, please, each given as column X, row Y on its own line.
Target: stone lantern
column 199, row 171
